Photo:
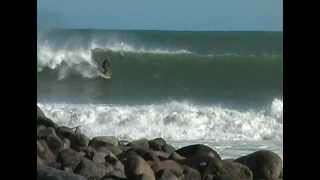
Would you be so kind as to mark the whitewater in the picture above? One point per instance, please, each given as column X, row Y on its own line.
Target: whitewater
column 222, row 89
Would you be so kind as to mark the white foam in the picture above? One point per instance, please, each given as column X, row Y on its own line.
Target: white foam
column 71, row 58
column 172, row 121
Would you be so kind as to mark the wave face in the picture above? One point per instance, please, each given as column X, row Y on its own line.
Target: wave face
column 150, row 66
column 173, row 121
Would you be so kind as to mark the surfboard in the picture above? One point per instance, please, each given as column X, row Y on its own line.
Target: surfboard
column 105, row 76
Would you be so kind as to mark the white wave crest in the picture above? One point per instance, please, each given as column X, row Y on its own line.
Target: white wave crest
column 71, row 58
column 172, row 121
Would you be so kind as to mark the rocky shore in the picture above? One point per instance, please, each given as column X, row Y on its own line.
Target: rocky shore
column 66, row 153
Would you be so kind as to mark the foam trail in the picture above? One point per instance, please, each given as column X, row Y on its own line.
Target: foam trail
column 172, row 121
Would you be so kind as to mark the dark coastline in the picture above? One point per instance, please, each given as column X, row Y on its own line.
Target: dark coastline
column 67, row 153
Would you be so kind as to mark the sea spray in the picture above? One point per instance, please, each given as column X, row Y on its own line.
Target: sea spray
column 172, row 120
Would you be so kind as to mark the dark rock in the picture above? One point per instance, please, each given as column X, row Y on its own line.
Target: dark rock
column 146, row 154
column 43, row 132
column 93, row 178
column 175, row 156
column 171, row 165
column 65, row 132
column 44, row 152
column 140, row 143
column 190, row 174
column 39, row 161
column 168, row 148
column 40, row 113
column 197, row 150
column 98, row 157
column 69, row 158
column 66, row 143
column 112, row 177
column 55, row 143
column 43, row 120
column 161, row 155
column 79, row 140
column 47, row 173
column 109, row 148
column 137, row 167
column 156, row 144
column 263, row 164
column 89, row 168
column 165, row 174
column 206, row 165
column 103, row 141
column 236, row 171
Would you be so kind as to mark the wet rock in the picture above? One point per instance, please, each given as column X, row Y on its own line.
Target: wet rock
column 43, row 120
column 64, row 132
column 66, row 143
column 171, row 165
column 263, row 164
column 47, row 173
column 89, row 168
column 140, row 143
column 206, row 165
column 156, row 144
column 55, row 143
column 236, row 171
column 43, row 132
column 165, row 174
column 98, row 157
column 190, row 174
column 103, row 141
column 44, row 152
column 161, row 155
column 79, row 140
column 175, row 156
column 109, row 148
column 112, row 177
column 137, row 168
column 168, row 148
column 146, row 154
column 197, row 150
column 69, row 158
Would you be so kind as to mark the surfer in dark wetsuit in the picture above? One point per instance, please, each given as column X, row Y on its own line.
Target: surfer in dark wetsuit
column 106, row 65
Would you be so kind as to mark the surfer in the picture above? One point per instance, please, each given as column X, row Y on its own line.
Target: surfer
column 106, row 65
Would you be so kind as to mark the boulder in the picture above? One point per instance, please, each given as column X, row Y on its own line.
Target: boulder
column 69, row 158
column 190, row 174
column 168, row 148
column 79, row 140
column 165, row 174
column 156, row 144
column 171, row 165
column 64, row 132
column 197, row 150
column 43, row 120
column 47, row 173
column 89, row 168
column 236, row 170
column 140, row 143
column 44, row 152
column 112, row 177
column 137, row 168
column 263, row 164
column 103, row 141
column 175, row 156
column 43, row 132
column 206, row 165
column 55, row 143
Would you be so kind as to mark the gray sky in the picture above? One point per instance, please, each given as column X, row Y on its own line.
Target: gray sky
column 162, row 14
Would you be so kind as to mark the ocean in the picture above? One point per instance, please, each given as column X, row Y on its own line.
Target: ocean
column 222, row 89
